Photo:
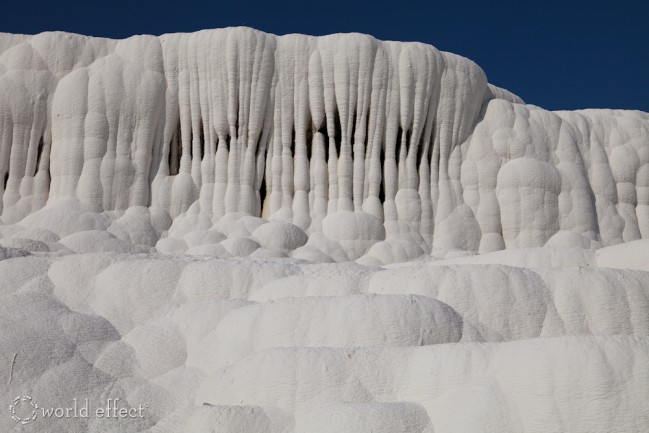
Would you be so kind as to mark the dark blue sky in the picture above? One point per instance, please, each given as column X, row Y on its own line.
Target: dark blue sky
column 556, row 54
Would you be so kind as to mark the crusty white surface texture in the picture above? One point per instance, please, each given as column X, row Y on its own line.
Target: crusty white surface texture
column 292, row 234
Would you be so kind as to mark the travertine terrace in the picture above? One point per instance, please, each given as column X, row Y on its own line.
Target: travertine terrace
column 295, row 234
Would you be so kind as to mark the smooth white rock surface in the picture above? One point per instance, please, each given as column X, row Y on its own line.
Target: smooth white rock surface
column 293, row 234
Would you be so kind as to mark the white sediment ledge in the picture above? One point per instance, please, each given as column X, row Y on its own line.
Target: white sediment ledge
column 295, row 234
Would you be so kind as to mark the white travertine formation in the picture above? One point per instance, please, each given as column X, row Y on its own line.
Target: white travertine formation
column 419, row 347
column 357, row 140
column 252, row 233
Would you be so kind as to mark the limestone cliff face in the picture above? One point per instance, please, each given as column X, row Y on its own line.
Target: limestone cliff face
column 327, row 133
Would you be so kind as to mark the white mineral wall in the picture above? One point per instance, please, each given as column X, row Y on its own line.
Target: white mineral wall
column 172, row 207
column 306, row 129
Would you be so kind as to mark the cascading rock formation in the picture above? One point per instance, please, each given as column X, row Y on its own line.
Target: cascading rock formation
column 297, row 234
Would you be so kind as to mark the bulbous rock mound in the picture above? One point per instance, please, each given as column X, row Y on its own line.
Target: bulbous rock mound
column 244, row 232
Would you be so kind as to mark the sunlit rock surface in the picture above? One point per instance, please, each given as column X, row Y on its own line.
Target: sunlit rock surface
column 296, row 234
